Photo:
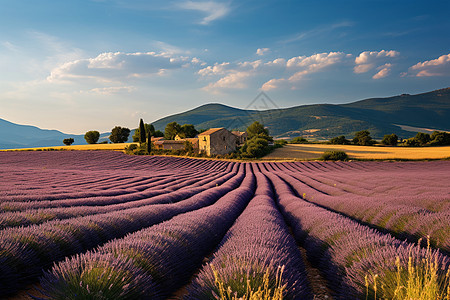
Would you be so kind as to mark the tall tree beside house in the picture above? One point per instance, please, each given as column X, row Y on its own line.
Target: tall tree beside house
column 172, row 129
column 119, row 134
column 149, row 142
column 257, row 144
column 257, row 129
column 188, row 131
column 142, row 133
column 148, row 128
column 92, row 136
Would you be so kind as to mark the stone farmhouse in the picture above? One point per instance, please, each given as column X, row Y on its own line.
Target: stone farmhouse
column 215, row 141
column 241, row 136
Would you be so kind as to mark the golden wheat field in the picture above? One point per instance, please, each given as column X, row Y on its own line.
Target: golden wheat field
column 314, row 151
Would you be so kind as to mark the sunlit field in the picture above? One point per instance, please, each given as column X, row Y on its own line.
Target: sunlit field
column 105, row 225
column 314, row 151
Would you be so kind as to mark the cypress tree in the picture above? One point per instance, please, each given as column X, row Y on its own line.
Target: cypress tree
column 142, row 135
column 149, row 142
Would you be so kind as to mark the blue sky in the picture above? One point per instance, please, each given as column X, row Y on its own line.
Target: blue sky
column 94, row 64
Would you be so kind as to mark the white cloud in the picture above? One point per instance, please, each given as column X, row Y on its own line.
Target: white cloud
column 262, row 51
column 301, row 66
column 235, row 80
column 367, row 56
column 363, row 68
column 369, row 60
column 213, row 10
column 384, row 71
column 435, row 67
column 273, row 84
column 217, row 69
column 117, row 66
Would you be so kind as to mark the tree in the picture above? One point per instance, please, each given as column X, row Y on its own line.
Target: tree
column 119, row 134
column 339, row 140
column 363, row 138
column 142, row 133
column 258, row 130
column 422, row 138
column 149, row 143
column 334, row 155
column 255, row 147
column 172, row 129
column 188, row 131
column 148, row 128
column 158, row 133
column 298, row 140
column 440, row 138
column 92, row 136
column 68, row 141
column 390, row 139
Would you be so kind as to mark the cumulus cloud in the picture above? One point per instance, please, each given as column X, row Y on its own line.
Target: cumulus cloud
column 230, row 76
column 273, row 84
column 302, row 66
column 436, row 67
column 117, row 66
column 384, row 71
column 369, row 60
column 213, row 10
column 262, row 51
column 234, row 80
column 217, row 69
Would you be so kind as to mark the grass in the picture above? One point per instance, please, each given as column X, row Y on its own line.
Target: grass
column 263, row 292
column 314, row 151
column 422, row 279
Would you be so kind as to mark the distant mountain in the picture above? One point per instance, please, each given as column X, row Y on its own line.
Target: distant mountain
column 378, row 115
column 14, row 136
column 424, row 112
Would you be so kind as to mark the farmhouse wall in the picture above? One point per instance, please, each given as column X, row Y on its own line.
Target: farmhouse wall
column 217, row 141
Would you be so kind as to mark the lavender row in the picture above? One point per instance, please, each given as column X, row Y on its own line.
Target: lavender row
column 113, row 197
column 38, row 216
column 154, row 262
column 103, row 160
column 259, row 242
column 403, row 220
column 26, row 251
column 405, row 184
column 110, row 186
column 347, row 252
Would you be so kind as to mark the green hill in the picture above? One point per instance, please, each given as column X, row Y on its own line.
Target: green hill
column 378, row 115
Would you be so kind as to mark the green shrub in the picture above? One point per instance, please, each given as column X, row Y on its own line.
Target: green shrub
column 390, row 140
column 339, row 140
column 279, row 143
column 334, row 155
column 298, row 140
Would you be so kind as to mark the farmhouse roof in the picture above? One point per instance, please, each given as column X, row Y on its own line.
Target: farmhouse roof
column 160, row 142
column 155, row 139
column 239, row 133
column 211, row 131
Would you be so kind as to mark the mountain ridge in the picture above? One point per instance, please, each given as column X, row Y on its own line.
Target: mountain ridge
column 321, row 121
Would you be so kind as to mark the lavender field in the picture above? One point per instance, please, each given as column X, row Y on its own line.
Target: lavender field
column 104, row 225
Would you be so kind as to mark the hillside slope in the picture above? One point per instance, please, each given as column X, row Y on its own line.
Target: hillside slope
column 378, row 115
